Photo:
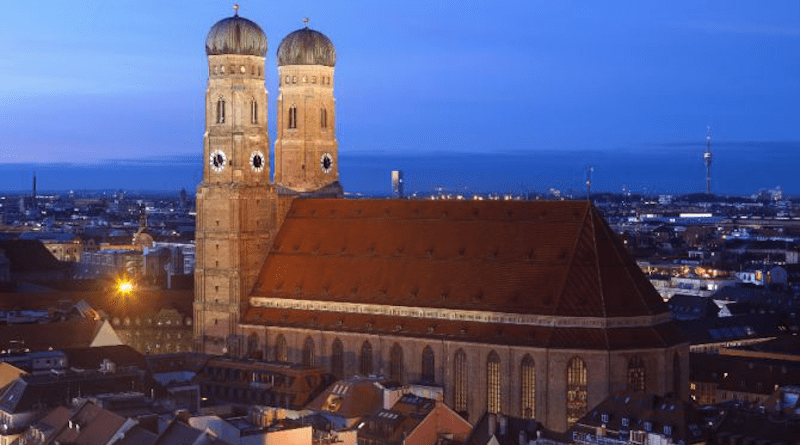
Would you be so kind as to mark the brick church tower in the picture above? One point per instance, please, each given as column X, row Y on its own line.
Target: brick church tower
column 236, row 200
column 306, row 151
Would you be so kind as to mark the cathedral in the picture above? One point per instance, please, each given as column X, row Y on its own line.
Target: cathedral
column 530, row 309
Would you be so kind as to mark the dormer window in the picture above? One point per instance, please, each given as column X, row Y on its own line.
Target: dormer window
column 648, row 426
column 604, row 417
column 626, row 422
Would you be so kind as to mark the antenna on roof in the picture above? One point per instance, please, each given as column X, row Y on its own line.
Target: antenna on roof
column 707, row 160
column 236, row 9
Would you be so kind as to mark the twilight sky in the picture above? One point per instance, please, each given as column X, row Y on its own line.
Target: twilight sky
column 89, row 81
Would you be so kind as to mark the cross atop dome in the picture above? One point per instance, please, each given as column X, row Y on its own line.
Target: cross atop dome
column 236, row 9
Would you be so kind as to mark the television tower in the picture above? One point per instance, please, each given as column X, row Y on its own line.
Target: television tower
column 589, row 171
column 707, row 160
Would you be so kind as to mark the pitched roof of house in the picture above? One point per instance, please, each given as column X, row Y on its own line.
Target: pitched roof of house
column 544, row 258
column 30, row 255
column 351, row 398
column 76, row 333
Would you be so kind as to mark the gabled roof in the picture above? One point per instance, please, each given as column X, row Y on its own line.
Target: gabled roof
column 350, row 399
column 531, row 257
column 78, row 333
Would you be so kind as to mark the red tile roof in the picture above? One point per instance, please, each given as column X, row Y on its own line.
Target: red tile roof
column 531, row 257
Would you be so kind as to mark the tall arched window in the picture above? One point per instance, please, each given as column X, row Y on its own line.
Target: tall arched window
column 576, row 390
column 323, row 118
column 428, row 365
column 636, row 374
column 493, row 383
column 337, row 359
column 308, row 352
column 292, row 117
column 528, row 387
column 460, row 377
column 253, row 112
column 221, row 111
column 252, row 345
column 281, row 349
column 366, row 359
column 676, row 376
column 396, row 364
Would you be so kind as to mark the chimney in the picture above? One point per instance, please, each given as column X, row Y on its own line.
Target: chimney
column 503, row 423
column 492, row 424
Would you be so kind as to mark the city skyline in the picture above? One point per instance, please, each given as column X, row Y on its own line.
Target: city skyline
column 513, row 79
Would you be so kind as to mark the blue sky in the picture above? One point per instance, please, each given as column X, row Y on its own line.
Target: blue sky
column 85, row 82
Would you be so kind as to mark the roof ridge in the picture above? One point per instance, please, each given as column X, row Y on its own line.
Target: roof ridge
column 599, row 272
column 568, row 268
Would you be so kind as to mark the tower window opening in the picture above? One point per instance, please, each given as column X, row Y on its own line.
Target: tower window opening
column 293, row 117
column 221, row 111
column 313, row 79
column 305, row 79
column 253, row 70
column 287, row 79
column 253, row 112
column 323, row 118
column 259, row 71
column 294, row 79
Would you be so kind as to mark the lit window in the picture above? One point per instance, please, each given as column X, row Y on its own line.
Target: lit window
column 636, row 374
column 460, row 374
column 528, row 387
column 493, row 383
column 281, row 349
column 576, row 390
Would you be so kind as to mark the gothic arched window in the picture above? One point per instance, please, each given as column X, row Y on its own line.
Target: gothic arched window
column 396, row 364
column 323, row 118
column 576, row 390
column 636, row 374
column 221, row 111
column 337, row 359
column 366, row 359
column 676, row 376
column 528, row 387
column 308, row 352
column 253, row 112
column 460, row 377
column 428, row 365
column 252, row 345
column 493, row 383
column 292, row 117
column 281, row 349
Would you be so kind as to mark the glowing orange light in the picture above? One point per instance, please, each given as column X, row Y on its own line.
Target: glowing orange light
column 124, row 286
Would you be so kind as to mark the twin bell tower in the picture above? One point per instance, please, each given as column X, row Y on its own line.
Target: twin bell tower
column 239, row 205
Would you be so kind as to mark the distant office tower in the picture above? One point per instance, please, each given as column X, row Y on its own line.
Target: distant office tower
column 397, row 183
column 34, row 207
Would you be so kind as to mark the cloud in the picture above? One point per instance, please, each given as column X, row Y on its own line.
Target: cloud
column 753, row 29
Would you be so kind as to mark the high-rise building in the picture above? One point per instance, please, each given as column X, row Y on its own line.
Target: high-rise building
column 397, row 183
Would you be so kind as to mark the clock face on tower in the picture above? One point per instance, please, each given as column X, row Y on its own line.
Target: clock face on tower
column 326, row 162
column 218, row 160
column 257, row 161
